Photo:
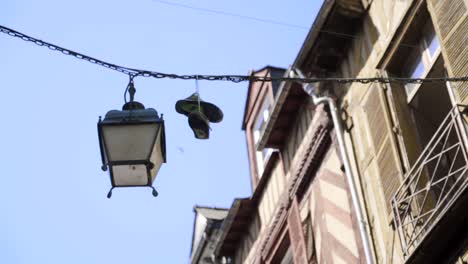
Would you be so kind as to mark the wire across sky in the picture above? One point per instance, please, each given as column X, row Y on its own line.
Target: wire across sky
column 133, row 72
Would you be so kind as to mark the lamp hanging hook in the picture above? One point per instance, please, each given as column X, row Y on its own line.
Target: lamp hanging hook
column 132, row 104
column 130, row 87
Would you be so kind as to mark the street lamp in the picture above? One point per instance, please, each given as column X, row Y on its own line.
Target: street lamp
column 133, row 145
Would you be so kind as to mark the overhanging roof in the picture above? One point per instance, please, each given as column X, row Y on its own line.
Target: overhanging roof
column 240, row 215
column 324, row 48
column 287, row 102
column 234, row 226
column 331, row 32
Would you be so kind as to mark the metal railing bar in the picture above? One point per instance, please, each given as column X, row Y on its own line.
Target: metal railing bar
column 431, row 142
column 440, row 214
column 441, row 153
column 435, row 169
column 414, row 226
column 448, row 176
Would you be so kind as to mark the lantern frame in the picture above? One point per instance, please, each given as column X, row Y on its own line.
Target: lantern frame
column 132, row 113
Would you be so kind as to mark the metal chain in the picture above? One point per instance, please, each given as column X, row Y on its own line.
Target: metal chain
column 231, row 78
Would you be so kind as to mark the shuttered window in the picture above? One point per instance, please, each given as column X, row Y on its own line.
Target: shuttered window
column 378, row 125
column 450, row 18
column 419, row 108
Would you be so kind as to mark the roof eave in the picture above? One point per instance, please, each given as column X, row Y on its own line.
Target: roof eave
column 285, row 87
column 239, row 205
column 314, row 32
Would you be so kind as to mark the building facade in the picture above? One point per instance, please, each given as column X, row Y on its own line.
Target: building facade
column 407, row 143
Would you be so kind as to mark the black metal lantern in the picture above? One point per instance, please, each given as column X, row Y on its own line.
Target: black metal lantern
column 133, row 145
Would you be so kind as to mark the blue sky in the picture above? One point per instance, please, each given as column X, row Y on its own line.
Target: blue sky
column 53, row 205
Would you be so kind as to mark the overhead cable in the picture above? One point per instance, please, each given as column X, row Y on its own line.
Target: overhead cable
column 133, row 72
column 219, row 12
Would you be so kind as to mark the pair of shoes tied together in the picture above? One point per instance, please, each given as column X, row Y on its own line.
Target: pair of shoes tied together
column 200, row 114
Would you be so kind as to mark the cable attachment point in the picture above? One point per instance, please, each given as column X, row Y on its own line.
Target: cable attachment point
column 132, row 104
column 131, row 88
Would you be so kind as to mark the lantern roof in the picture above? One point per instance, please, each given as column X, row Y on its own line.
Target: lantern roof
column 136, row 115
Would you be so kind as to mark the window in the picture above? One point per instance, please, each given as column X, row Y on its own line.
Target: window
column 438, row 165
column 420, row 60
column 421, row 108
column 429, row 107
column 262, row 119
column 260, row 124
column 430, row 136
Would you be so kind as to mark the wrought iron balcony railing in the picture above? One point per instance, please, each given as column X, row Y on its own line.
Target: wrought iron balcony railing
column 434, row 183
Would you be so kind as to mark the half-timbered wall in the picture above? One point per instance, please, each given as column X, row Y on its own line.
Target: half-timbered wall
column 269, row 200
column 248, row 242
column 327, row 205
column 301, row 123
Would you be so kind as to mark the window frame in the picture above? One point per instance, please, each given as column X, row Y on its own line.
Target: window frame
column 426, row 58
column 263, row 115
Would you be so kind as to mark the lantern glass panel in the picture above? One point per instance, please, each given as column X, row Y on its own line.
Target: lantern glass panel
column 156, row 156
column 129, row 142
column 130, row 175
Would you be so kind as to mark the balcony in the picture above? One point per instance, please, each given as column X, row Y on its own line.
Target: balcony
column 428, row 206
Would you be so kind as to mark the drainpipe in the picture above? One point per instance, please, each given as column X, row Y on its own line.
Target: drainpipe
column 362, row 224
